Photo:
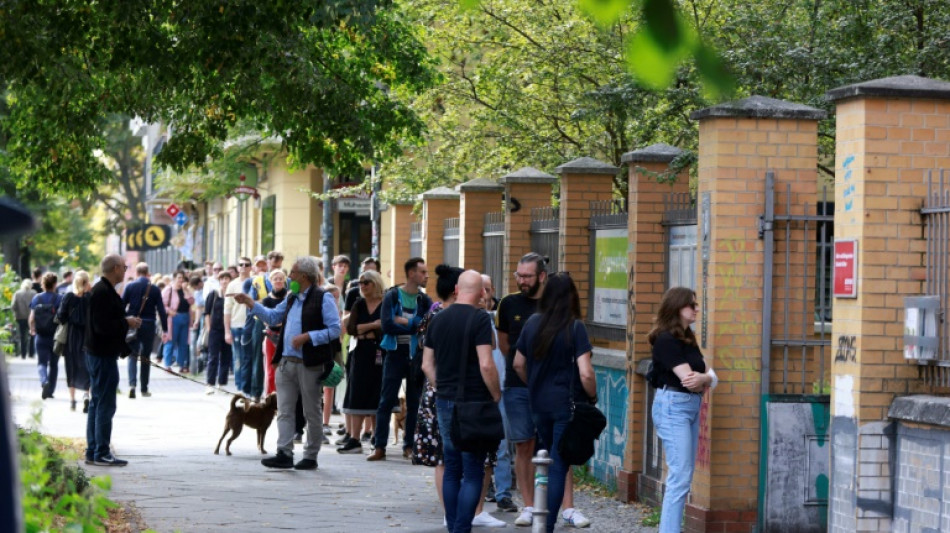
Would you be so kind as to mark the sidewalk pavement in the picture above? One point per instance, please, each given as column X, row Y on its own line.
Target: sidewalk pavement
column 178, row 484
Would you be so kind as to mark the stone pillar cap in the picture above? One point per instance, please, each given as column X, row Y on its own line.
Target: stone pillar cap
column 655, row 153
column 895, row 86
column 760, row 107
column 528, row 175
column 440, row 193
column 481, row 184
column 586, row 165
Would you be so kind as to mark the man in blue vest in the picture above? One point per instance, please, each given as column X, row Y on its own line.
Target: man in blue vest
column 303, row 358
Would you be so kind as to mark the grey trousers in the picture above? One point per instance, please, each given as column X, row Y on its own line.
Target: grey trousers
column 293, row 380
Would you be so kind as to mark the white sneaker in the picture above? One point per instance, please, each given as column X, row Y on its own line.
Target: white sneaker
column 526, row 517
column 573, row 517
column 484, row 519
column 209, row 391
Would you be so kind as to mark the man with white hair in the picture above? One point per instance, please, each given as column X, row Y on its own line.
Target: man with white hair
column 303, row 358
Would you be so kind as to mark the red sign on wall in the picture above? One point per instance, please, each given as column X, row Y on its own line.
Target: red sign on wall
column 846, row 269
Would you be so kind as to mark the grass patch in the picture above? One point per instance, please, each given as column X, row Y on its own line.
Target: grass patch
column 651, row 516
column 584, row 479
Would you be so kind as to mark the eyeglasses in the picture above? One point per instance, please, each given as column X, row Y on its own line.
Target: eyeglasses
column 524, row 276
column 244, row 264
column 365, row 282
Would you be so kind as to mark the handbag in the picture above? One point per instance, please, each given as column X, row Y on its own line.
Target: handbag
column 59, row 338
column 476, row 425
column 576, row 446
column 132, row 335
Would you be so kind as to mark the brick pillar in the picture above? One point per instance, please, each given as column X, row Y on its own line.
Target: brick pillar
column 437, row 205
column 525, row 188
column 647, row 265
column 583, row 181
column 478, row 197
column 890, row 132
column 739, row 142
column 394, row 251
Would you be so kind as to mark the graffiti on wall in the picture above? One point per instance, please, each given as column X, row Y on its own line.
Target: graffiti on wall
column 704, row 450
column 612, row 400
column 847, row 352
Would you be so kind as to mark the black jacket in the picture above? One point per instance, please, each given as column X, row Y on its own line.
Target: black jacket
column 106, row 326
column 311, row 319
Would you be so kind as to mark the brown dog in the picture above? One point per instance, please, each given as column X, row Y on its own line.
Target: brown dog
column 255, row 415
column 399, row 420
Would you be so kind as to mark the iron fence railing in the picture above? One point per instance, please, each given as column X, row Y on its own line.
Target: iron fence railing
column 415, row 239
column 936, row 218
column 545, row 224
column 493, row 240
column 450, row 241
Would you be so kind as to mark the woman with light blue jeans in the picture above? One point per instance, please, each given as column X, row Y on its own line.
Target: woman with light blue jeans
column 680, row 376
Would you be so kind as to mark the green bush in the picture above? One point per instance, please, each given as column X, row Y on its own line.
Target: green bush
column 58, row 496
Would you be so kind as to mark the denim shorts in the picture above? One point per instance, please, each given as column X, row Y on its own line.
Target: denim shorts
column 518, row 408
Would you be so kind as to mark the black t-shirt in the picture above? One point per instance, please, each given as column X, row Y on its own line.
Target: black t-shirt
column 352, row 294
column 513, row 311
column 214, row 307
column 551, row 378
column 669, row 353
column 445, row 335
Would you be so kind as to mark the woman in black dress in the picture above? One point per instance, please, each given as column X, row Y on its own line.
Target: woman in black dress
column 365, row 379
column 73, row 312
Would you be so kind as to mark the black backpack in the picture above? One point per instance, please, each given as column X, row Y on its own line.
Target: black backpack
column 43, row 315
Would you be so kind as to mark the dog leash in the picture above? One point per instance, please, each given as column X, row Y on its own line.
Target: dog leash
column 182, row 376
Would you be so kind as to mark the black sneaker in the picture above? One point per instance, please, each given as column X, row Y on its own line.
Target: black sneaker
column 89, row 461
column 146, row 394
column 352, row 446
column 110, row 460
column 306, row 464
column 342, row 431
column 506, row 505
column 343, row 440
column 281, row 460
column 367, row 436
column 131, row 394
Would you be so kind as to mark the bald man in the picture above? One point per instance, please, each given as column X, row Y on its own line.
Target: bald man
column 105, row 343
column 476, row 375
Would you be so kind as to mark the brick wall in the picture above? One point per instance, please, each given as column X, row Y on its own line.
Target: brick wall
column 525, row 189
column 395, row 249
column 475, row 203
column 435, row 209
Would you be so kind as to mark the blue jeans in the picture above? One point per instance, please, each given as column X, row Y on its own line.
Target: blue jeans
column 252, row 367
column 103, row 380
column 395, row 369
column 181, row 325
column 237, row 355
column 464, row 473
column 503, row 465
column 676, row 418
column 47, row 364
column 143, row 351
column 550, row 428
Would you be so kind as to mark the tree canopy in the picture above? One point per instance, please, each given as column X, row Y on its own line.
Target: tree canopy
column 325, row 77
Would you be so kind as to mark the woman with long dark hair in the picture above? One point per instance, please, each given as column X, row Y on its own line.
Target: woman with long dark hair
column 553, row 358
column 73, row 311
column 681, row 379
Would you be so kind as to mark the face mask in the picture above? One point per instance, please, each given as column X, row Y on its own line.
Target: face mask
column 294, row 287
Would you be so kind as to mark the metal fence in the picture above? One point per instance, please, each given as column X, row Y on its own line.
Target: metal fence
column 609, row 243
column 450, row 241
column 493, row 240
column 936, row 218
column 415, row 239
column 679, row 218
column 545, row 225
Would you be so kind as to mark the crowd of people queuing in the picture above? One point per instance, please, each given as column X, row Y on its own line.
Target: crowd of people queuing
column 283, row 332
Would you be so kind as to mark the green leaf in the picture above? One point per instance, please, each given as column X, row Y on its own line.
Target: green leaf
column 718, row 82
column 660, row 44
column 604, row 12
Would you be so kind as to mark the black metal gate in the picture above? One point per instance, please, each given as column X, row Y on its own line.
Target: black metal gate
column 544, row 235
column 796, row 361
column 493, row 241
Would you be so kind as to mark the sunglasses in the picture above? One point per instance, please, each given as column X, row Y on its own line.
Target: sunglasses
column 244, row 264
column 365, row 282
column 694, row 305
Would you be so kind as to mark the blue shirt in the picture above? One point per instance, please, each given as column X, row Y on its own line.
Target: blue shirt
column 132, row 298
column 294, row 323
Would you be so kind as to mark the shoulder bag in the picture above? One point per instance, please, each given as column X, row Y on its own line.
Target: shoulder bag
column 587, row 423
column 476, row 425
column 62, row 331
column 133, row 333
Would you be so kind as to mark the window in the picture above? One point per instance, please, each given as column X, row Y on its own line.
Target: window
column 268, row 224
